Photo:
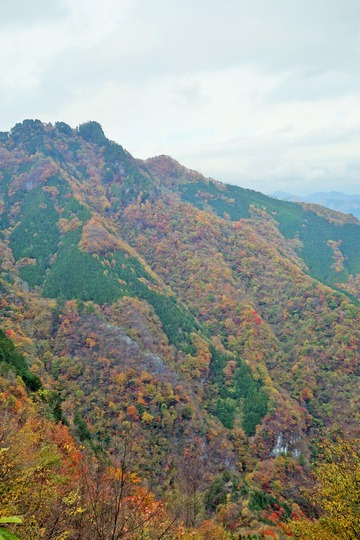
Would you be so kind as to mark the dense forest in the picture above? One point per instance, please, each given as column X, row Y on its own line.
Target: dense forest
column 179, row 358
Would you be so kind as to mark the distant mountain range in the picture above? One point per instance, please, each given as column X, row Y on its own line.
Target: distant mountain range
column 335, row 200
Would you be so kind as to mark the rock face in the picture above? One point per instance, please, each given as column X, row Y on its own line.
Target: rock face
column 286, row 446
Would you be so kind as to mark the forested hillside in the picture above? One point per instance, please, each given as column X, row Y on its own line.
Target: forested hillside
column 183, row 346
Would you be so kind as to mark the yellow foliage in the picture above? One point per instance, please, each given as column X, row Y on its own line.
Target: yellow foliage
column 147, row 417
column 337, row 494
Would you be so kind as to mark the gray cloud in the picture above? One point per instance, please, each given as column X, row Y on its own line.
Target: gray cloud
column 304, row 38
column 25, row 12
column 245, row 89
column 273, row 35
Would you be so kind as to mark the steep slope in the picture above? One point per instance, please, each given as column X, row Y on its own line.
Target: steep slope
column 60, row 239
column 55, row 220
column 328, row 242
column 249, row 294
column 203, row 319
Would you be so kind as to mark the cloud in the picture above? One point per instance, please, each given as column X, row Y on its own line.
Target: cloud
column 254, row 92
column 22, row 12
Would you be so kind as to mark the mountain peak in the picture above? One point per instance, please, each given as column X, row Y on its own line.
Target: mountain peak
column 92, row 132
column 170, row 171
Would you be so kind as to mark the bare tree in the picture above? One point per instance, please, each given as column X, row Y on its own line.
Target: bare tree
column 117, row 504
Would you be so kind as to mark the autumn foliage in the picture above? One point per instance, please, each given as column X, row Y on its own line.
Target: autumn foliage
column 172, row 350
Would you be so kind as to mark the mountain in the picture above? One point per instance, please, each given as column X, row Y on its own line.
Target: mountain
column 209, row 331
column 335, row 200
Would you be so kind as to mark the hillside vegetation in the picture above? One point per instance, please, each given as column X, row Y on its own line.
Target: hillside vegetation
column 191, row 341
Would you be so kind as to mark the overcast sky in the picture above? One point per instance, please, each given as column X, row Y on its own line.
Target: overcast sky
column 261, row 93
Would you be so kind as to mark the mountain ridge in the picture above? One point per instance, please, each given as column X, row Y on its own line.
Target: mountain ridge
column 193, row 313
column 335, row 200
